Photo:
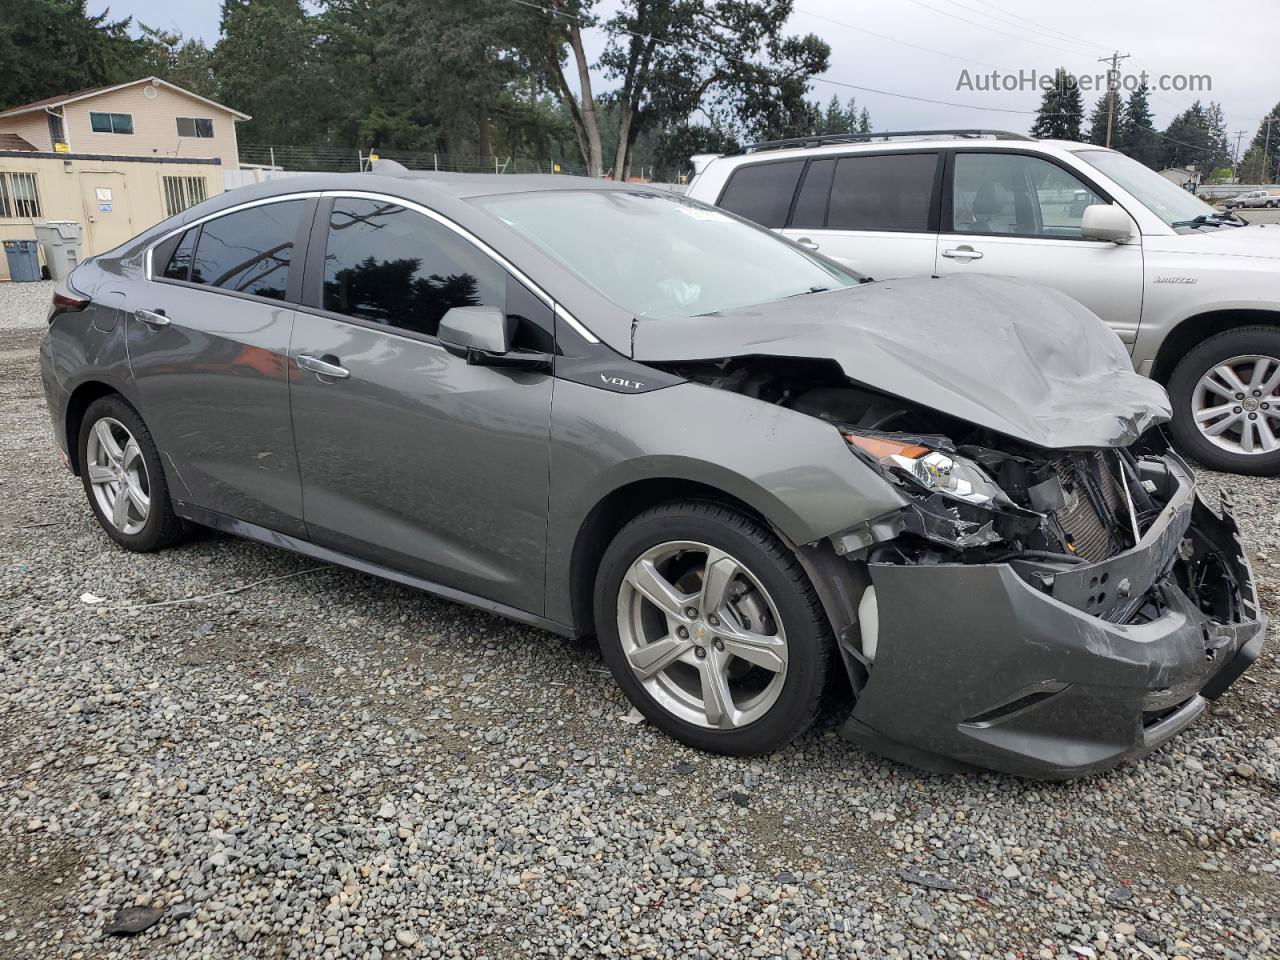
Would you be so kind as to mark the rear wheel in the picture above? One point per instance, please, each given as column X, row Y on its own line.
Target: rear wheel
column 1226, row 401
column 123, row 479
column 712, row 629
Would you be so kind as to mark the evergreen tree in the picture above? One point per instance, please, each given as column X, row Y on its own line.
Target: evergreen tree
column 864, row 121
column 1061, row 109
column 1258, row 145
column 1137, row 136
column 834, row 120
column 1098, row 122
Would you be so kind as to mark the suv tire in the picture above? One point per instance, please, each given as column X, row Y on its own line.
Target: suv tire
column 123, row 478
column 671, row 660
column 1187, row 396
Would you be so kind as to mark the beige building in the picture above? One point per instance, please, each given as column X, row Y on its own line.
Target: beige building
column 115, row 160
column 144, row 118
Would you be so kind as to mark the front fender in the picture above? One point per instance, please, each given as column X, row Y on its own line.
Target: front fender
column 794, row 470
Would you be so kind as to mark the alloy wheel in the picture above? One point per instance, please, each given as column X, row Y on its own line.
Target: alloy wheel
column 702, row 635
column 1236, row 404
column 118, row 475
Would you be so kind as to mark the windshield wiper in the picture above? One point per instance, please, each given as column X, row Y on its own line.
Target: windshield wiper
column 1210, row 220
column 804, row 293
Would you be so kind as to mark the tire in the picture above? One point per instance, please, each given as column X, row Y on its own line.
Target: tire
column 1230, row 349
column 769, row 705
column 142, row 531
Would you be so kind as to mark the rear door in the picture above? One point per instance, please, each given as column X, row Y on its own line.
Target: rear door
column 1019, row 215
column 410, row 457
column 208, row 337
column 874, row 212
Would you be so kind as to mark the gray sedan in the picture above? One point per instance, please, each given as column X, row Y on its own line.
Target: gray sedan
column 609, row 410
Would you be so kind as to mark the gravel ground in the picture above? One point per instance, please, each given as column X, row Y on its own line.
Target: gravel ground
column 333, row 765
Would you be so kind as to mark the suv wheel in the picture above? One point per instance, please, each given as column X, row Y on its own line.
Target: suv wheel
column 123, row 479
column 1226, row 401
column 712, row 629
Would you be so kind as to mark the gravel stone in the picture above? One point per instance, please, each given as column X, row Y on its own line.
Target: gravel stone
column 332, row 765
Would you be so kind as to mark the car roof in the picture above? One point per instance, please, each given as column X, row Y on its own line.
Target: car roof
column 901, row 144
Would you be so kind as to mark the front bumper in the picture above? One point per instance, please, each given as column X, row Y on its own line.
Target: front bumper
column 1057, row 676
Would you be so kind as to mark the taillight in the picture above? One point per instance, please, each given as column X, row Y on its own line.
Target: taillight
column 66, row 303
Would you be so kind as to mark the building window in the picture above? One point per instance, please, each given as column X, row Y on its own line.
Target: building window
column 19, row 198
column 111, row 122
column 182, row 192
column 195, row 127
column 57, row 133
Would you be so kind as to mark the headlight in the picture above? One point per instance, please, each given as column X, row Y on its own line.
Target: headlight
column 934, row 470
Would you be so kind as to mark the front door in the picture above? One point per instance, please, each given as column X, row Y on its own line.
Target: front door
column 410, row 457
column 105, row 197
column 1019, row 215
column 208, row 338
column 875, row 213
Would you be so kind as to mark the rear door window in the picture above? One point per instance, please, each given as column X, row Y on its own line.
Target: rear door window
column 888, row 192
column 763, row 191
column 179, row 265
column 250, row 251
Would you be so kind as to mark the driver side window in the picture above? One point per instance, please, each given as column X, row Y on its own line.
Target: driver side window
column 1005, row 193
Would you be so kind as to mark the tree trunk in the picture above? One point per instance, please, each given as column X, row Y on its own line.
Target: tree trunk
column 622, row 158
column 595, row 155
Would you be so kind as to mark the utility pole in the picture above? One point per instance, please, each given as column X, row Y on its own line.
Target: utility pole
column 1113, row 78
column 1235, row 161
column 1266, row 147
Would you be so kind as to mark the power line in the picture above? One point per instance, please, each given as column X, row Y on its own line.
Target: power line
column 815, row 78
column 884, row 36
column 983, row 26
column 1052, row 30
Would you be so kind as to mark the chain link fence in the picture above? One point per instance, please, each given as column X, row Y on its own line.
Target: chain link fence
column 355, row 159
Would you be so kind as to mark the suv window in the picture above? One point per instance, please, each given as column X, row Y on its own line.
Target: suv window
column 762, row 192
column 811, row 203
column 388, row 264
column 1008, row 193
column 891, row 192
column 249, row 251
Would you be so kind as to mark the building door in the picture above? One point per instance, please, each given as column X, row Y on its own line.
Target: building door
column 108, row 220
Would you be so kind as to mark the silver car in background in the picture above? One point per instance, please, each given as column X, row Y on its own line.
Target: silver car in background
column 602, row 409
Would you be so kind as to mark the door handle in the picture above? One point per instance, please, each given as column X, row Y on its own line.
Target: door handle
column 152, row 318
column 964, row 252
column 807, row 243
column 323, row 368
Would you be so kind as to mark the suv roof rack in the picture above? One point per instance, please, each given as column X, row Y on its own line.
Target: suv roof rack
column 827, row 139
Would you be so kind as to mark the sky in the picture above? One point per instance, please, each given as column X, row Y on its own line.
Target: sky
column 1234, row 46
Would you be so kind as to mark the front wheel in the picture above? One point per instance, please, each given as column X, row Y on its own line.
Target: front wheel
column 1226, row 401
column 712, row 629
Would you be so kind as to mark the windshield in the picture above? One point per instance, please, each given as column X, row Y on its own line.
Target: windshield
column 663, row 256
column 1163, row 197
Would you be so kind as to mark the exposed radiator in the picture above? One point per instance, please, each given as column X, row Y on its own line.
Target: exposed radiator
column 1093, row 516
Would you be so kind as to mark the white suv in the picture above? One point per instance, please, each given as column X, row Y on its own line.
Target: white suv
column 1194, row 294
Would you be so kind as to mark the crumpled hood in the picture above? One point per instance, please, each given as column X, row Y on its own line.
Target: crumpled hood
column 1015, row 357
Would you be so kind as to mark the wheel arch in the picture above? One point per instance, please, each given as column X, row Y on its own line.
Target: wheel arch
column 614, row 511
column 1199, row 327
column 78, row 402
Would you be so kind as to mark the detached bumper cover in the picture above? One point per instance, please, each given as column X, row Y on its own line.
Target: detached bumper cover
column 979, row 667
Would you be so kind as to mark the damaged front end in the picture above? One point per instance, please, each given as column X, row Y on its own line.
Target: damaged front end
column 1043, row 612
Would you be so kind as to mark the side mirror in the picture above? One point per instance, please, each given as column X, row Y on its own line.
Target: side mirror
column 463, row 329
column 482, row 335
column 1106, row 221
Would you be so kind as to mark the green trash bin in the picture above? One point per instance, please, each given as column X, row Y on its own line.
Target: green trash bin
column 24, row 264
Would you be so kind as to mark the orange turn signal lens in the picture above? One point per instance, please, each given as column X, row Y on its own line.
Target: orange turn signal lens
column 881, row 447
